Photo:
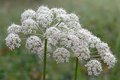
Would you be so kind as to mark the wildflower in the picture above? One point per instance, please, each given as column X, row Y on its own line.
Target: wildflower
column 61, row 55
column 42, row 10
column 44, row 16
column 81, row 51
column 58, row 11
column 28, row 14
column 73, row 25
column 73, row 17
column 69, row 41
column 13, row 28
column 13, row 41
column 105, row 54
column 29, row 26
column 34, row 44
column 64, row 35
column 94, row 67
column 53, row 35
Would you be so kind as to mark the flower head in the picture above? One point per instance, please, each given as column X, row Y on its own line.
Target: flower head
column 34, row 44
column 13, row 28
column 61, row 55
column 105, row 54
column 62, row 27
column 58, row 11
column 53, row 35
column 94, row 67
column 73, row 17
column 28, row 14
column 73, row 25
column 44, row 20
column 44, row 16
column 29, row 26
column 81, row 51
column 69, row 41
column 13, row 41
column 42, row 10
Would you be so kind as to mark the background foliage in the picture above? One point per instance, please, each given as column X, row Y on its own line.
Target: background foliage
column 102, row 17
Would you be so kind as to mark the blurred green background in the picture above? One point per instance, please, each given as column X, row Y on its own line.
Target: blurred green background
column 102, row 17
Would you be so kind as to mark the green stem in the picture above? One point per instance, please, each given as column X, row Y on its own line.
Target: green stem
column 44, row 65
column 76, row 68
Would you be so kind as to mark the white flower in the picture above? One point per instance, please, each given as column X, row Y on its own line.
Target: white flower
column 62, row 27
column 94, row 67
column 28, row 14
column 73, row 25
column 42, row 10
column 58, row 11
column 83, row 34
column 61, row 55
column 93, row 40
column 73, row 17
column 109, row 59
column 29, row 26
column 52, row 32
column 53, row 35
column 34, row 44
column 62, row 18
column 81, row 51
column 44, row 20
column 88, row 37
column 102, row 47
column 13, row 41
column 69, row 40
column 40, row 52
column 106, row 54
column 60, row 14
column 13, row 28
column 44, row 16
column 71, row 20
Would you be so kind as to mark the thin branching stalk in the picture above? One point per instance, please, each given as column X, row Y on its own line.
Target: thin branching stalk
column 44, row 65
column 95, row 56
column 76, row 68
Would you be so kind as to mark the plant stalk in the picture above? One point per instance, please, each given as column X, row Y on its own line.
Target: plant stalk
column 44, row 65
column 76, row 68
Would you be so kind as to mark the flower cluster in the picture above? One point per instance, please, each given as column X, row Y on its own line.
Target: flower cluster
column 28, row 14
column 44, row 16
column 94, row 67
column 13, row 41
column 13, row 28
column 105, row 53
column 33, row 43
column 66, row 38
column 61, row 55
column 29, row 26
